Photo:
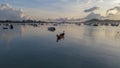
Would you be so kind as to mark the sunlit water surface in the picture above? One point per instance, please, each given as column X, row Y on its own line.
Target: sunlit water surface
column 27, row 46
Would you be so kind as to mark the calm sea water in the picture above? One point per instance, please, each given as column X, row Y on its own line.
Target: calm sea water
column 28, row 46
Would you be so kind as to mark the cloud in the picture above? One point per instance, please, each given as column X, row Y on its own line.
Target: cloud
column 94, row 16
column 100, row 0
column 7, row 12
column 94, row 1
column 117, row 9
column 113, row 17
column 113, row 13
column 91, row 9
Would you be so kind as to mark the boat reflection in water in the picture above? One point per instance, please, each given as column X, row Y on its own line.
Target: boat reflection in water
column 7, row 26
column 60, row 36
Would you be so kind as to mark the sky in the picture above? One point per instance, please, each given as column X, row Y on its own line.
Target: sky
column 52, row 9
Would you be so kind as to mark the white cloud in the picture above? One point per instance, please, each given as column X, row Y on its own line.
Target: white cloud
column 94, row 1
column 117, row 8
column 113, row 13
column 113, row 17
column 94, row 16
column 7, row 12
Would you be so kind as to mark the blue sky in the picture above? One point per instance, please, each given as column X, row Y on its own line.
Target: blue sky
column 60, row 8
